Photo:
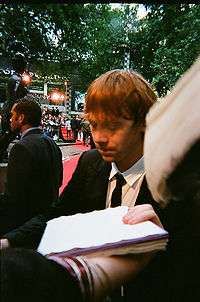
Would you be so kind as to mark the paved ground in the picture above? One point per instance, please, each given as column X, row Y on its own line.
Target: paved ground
column 66, row 149
column 68, row 152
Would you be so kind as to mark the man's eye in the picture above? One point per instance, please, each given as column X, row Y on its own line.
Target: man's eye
column 112, row 127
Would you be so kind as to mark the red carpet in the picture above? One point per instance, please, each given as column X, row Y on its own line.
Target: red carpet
column 70, row 165
column 64, row 133
column 68, row 169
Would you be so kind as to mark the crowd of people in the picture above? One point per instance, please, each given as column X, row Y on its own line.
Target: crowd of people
column 41, row 99
column 145, row 157
column 53, row 122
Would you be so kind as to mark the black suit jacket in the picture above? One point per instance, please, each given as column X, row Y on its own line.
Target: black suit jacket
column 34, row 175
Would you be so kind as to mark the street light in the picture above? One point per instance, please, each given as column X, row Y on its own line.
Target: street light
column 26, row 78
column 57, row 97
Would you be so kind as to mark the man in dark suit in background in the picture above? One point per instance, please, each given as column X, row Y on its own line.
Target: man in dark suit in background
column 74, row 126
column 34, row 172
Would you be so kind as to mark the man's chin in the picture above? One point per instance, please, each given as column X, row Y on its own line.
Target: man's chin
column 107, row 157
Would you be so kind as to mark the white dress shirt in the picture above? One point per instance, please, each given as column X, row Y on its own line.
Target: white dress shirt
column 133, row 176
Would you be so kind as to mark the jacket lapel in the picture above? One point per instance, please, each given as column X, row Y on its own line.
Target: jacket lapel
column 98, row 176
column 144, row 195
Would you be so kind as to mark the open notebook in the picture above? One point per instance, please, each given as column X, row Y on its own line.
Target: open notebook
column 101, row 233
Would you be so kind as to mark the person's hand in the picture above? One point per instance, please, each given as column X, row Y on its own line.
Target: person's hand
column 141, row 213
column 4, row 243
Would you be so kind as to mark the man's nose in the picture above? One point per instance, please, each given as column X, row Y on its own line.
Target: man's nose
column 100, row 136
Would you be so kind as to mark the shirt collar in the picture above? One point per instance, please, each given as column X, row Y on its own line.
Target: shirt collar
column 29, row 129
column 132, row 174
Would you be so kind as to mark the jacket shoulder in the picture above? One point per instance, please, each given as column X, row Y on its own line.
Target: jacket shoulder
column 91, row 156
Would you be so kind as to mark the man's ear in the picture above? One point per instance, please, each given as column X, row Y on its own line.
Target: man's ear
column 21, row 118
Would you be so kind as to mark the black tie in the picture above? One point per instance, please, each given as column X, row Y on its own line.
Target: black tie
column 117, row 192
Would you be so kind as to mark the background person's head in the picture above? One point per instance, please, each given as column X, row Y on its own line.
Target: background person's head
column 27, row 276
column 25, row 113
column 116, row 106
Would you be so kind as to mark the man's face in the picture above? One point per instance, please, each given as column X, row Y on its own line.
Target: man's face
column 15, row 121
column 118, row 140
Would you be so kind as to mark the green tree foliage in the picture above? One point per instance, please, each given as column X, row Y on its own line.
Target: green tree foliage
column 81, row 41
column 166, row 43
column 104, row 35
column 78, row 38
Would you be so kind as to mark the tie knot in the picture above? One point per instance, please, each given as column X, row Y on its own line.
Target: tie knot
column 120, row 179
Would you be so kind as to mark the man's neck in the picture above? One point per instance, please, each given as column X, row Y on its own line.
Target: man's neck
column 123, row 166
column 28, row 129
column 25, row 127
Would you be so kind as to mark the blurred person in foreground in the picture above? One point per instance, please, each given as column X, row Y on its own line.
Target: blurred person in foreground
column 34, row 172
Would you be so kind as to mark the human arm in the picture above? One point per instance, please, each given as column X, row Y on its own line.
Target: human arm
column 99, row 276
column 108, row 273
column 27, row 235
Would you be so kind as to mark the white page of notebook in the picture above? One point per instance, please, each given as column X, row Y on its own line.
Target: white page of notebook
column 92, row 229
